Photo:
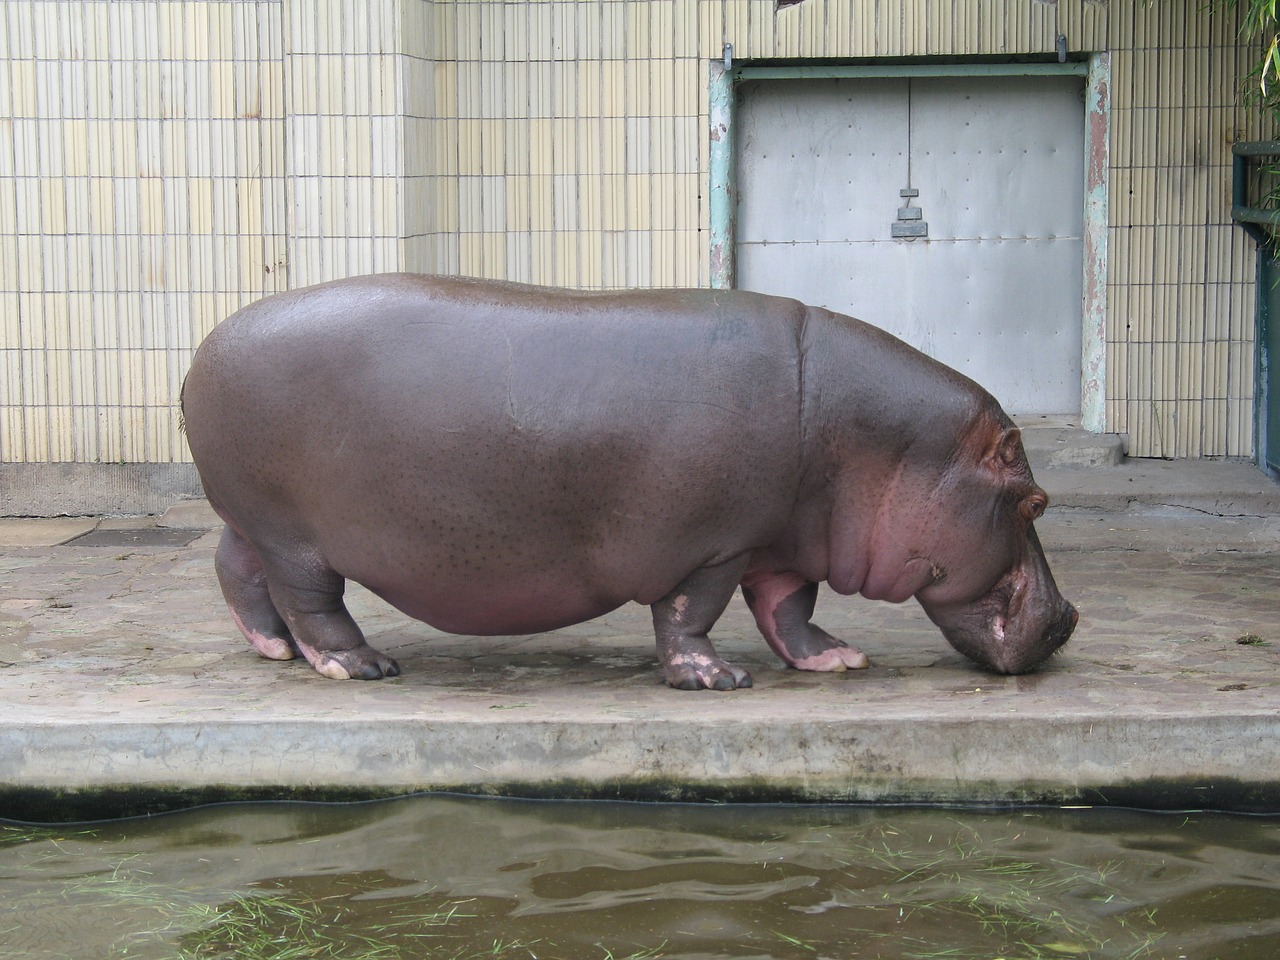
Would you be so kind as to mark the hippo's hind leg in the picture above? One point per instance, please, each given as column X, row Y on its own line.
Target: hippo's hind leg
column 288, row 605
column 309, row 597
column 681, row 621
column 244, row 586
column 782, row 604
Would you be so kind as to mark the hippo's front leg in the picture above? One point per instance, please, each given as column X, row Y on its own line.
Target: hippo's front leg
column 683, row 618
column 782, row 604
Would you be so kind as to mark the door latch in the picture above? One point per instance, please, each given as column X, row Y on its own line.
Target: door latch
column 910, row 223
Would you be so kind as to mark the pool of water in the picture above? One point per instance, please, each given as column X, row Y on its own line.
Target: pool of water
column 461, row 878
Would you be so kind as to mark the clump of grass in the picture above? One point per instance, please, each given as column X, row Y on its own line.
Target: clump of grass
column 1251, row 640
column 795, row 941
column 1023, row 909
column 652, row 953
column 289, row 926
column 286, row 926
column 259, row 927
column 16, row 833
column 279, row 922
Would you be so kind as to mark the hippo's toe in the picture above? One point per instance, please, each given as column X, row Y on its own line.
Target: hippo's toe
column 363, row 663
column 707, row 674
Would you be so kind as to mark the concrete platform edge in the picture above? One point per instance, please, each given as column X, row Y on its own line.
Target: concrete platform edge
column 60, row 771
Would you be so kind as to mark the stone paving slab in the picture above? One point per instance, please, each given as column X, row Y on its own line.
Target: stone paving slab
column 123, row 676
column 43, row 532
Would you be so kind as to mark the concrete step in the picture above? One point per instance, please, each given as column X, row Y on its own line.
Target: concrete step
column 1090, row 471
column 1220, row 488
column 1054, row 441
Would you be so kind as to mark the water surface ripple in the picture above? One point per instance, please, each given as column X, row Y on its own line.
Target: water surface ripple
column 461, row 878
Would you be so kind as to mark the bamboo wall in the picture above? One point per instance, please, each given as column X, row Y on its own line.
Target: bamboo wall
column 141, row 195
column 164, row 161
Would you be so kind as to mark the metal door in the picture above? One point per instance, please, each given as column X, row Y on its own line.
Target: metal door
column 987, row 172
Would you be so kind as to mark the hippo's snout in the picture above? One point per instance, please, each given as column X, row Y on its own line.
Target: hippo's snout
column 1014, row 628
column 1020, row 656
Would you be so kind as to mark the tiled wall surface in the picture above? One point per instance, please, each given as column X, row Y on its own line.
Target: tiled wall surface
column 1180, row 308
column 344, row 137
column 141, row 198
column 570, row 142
column 164, row 161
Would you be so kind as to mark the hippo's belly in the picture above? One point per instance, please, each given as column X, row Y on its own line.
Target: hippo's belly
column 501, row 573
column 510, row 609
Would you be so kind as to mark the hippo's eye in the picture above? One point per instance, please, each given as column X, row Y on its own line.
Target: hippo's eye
column 1032, row 506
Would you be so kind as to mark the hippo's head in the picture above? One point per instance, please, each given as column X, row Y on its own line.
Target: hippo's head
column 992, row 593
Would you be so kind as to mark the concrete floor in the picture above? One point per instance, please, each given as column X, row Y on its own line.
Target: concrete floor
column 127, row 688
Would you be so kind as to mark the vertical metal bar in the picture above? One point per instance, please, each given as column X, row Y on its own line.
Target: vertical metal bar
column 1261, row 357
column 1266, row 454
column 722, row 188
column 1093, row 339
column 1237, row 179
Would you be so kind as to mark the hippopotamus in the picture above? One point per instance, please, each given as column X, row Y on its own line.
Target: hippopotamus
column 497, row 458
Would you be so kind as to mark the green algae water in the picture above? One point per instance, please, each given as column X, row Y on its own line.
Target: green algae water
column 459, row 878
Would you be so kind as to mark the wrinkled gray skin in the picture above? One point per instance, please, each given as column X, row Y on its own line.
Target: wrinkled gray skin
column 503, row 459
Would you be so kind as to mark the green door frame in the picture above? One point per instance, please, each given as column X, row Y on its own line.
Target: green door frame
column 1266, row 392
column 1096, row 70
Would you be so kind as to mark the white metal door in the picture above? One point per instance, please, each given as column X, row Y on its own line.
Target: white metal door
column 994, row 288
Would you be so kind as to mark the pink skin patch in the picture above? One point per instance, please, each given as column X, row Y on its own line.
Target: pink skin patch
column 804, row 646
column 361, row 662
column 281, row 648
column 707, row 668
column 835, row 660
column 325, row 665
column 273, row 648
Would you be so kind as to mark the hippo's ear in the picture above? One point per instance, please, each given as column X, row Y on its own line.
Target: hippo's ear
column 1007, row 463
column 1010, row 447
column 1004, row 451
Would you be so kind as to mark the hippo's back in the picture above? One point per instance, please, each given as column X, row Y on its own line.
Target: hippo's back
column 413, row 429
